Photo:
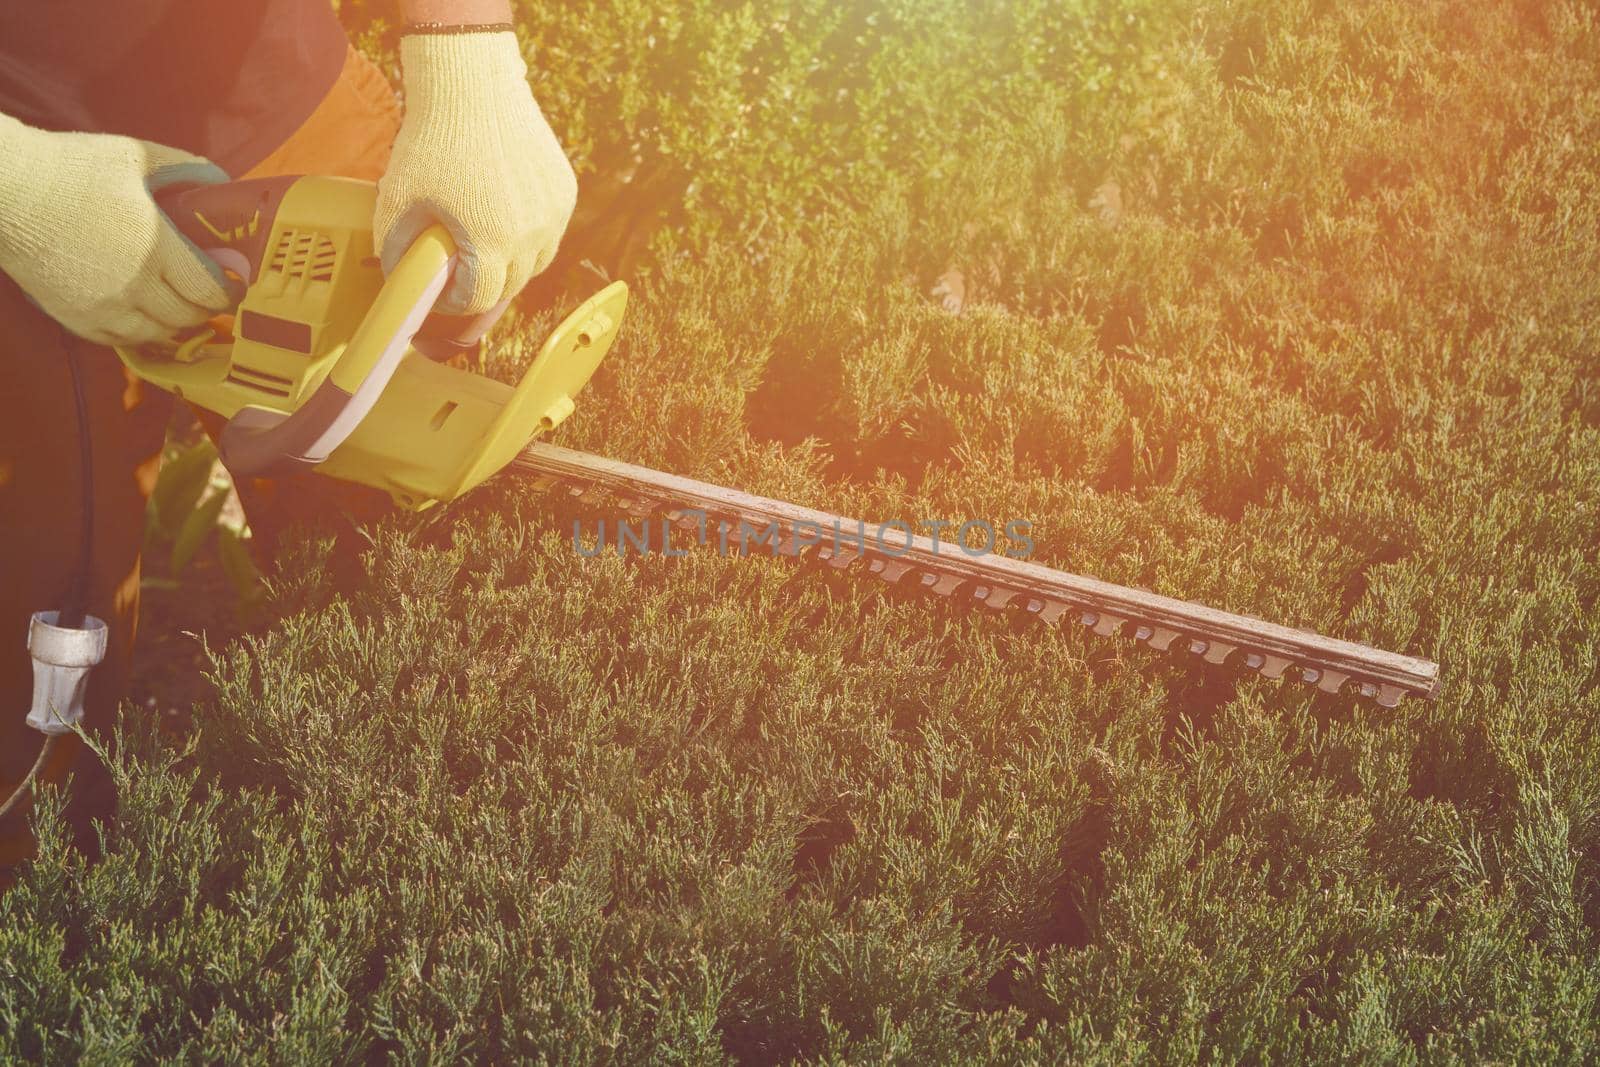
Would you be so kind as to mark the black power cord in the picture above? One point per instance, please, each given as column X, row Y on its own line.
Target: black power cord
column 76, row 605
column 77, row 602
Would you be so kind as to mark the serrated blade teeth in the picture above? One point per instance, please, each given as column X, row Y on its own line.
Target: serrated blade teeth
column 994, row 596
column 1109, row 625
column 1161, row 638
column 840, row 558
column 1264, row 664
column 1332, row 681
column 1025, row 607
column 1053, row 610
column 890, row 570
column 1272, row 666
column 1389, row 696
column 1219, row 651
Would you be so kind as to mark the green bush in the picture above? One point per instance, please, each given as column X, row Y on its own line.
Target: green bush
column 1286, row 307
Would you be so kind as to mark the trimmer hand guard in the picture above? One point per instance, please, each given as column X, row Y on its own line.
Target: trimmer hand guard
column 438, row 431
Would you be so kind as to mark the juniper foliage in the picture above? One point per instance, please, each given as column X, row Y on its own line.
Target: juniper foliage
column 1287, row 307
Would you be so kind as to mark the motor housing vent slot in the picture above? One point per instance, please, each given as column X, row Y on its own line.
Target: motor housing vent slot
column 304, row 255
column 259, row 380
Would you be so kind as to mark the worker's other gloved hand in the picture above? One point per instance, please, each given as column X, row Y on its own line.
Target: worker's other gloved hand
column 474, row 153
column 81, row 234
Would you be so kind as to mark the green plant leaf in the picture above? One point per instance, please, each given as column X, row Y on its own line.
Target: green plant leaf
column 241, row 570
column 180, row 485
column 200, row 521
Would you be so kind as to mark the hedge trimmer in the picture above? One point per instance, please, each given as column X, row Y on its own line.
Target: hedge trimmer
column 328, row 364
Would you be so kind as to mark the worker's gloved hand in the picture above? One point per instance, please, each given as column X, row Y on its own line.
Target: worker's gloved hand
column 81, row 234
column 474, row 153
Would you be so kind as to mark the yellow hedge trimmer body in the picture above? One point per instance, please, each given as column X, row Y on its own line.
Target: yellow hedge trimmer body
column 333, row 367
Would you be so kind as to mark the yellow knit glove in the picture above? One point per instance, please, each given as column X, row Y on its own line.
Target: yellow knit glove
column 81, row 234
column 474, row 153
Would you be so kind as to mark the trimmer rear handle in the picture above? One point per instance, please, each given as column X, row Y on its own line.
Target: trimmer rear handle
column 231, row 223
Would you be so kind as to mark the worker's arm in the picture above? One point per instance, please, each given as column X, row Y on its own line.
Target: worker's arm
column 80, row 233
column 474, row 153
column 456, row 12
